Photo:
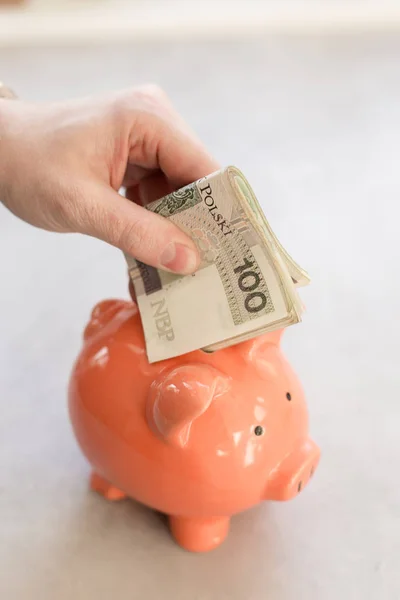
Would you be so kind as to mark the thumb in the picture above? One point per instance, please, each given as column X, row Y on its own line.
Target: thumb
column 146, row 236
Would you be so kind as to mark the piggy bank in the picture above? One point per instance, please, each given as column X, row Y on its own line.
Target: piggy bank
column 199, row 437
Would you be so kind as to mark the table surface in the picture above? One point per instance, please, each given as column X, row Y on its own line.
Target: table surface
column 315, row 125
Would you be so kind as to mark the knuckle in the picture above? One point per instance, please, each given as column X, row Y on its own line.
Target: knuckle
column 148, row 98
column 118, row 109
column 151, row 98
column 152, row 92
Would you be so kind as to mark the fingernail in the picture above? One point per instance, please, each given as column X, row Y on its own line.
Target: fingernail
column 179, row 259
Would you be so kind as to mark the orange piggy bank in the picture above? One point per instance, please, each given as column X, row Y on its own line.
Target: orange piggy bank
column 199, row 437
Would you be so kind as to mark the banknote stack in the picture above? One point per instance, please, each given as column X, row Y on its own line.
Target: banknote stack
column 246, row 283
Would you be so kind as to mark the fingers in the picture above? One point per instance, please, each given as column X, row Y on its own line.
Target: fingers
column 134, row 174
column 182, row 157
column 161, row 139
column 138, row 232
column 162, row 155
column 154, row 187
column 151, row 188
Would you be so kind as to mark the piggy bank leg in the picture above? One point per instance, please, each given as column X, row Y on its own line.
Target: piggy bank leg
column 106, row 489
column 199, row 535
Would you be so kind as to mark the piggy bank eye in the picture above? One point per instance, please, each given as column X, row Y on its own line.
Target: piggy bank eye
column 288, row 396
column 259, row 430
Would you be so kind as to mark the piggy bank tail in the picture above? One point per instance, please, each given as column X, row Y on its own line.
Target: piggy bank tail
column 102, row 314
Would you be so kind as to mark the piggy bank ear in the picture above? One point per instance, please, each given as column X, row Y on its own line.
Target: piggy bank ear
column 261, row 352
column 251, row 349
column 274, row 337
column 102, row 314
column 178, row 397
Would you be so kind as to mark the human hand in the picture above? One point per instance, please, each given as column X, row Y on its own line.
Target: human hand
column 61, row 166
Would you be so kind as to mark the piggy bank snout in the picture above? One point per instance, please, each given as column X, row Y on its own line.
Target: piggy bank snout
column 294, row 472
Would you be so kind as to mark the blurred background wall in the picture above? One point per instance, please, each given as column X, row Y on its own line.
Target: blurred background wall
column 58, row 21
